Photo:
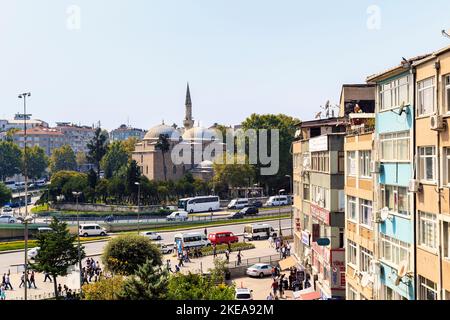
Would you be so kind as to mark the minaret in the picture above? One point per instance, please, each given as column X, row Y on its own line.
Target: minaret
column 188, row 121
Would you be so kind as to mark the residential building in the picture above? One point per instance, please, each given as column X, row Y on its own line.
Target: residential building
column 318, row 180
column 359, row 222
column 432, row 184
column 46, row 138
column 77, row 136
column 19, row 121
column 124, row 132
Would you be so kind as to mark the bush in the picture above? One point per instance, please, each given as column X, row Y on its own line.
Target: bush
column 124, row 254
column 104, row 289
column 206, row 251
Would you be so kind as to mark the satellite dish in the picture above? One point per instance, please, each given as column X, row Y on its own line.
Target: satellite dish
column 384, row 214
column 365, row 279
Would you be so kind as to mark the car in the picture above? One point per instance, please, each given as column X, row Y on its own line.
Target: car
column 257, row 204
column 177, row 216
column 259, row 270
column 7, row 218
column 236, row 215
column 109, row 219
column 44, row 229
column 151, row 235
column 164, row 248
column 243, row 294
column 222, row 237
column 249, row 210
column 93, row 229
column 238, row 203
column 7, row 209
column 32, row 253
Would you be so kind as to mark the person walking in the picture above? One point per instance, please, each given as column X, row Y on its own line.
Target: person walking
column 47, row 276
column 227, row 255
column 274, row 287
column 32, row 280
column 3, row 279
column 2, row 292
column 239, row 258
column 59, row 290
column 8, row 282
column 206, row 232
column 214, row 251
column 270, row 296
column 22, row 280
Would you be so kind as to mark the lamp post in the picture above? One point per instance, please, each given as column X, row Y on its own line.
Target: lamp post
column 279, row 213
column 77, row 195
column 25, row 163
column 26, row 220
column 139, row 203
column 292, row 197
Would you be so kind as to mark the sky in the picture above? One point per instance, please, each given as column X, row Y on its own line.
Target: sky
column 128, row 61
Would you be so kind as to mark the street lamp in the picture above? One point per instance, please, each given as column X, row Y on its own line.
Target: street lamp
column 25, row 164
column 292, row 194
column 279, row 213
column 77, row 196
column 139, row 203
column 26, row 220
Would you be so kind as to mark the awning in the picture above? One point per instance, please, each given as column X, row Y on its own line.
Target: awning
column 310, row 296
column 287, row 263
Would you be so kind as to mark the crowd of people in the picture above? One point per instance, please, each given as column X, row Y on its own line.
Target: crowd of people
column 296, row 280
column 92, row 270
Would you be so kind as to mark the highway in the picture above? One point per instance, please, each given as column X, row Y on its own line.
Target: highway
column 10, row 259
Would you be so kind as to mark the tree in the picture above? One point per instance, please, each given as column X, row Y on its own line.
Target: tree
column 114, row 159
column 125, row 253
column 130, row 145
column 234, row 175
column 57, row 251
column 132, row 176
column 65, row 182
column 163, row 145
column 97, row 147
column 37, row 162
column 104, row 289
column 287, row 127
column 63, row 159
column 81, row 159
column 149, row 283
column 5, row 194
column 10, row 159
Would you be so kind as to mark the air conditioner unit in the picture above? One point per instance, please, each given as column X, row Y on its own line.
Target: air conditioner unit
column 374, row 166
column 414, row 185
column 437, row 123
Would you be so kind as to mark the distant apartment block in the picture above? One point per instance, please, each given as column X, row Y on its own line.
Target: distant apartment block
column 19, row 122
column 77, row 136
column 124, row 132
column 46, row 138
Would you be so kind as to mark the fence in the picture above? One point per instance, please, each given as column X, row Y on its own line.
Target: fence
column 45, row 296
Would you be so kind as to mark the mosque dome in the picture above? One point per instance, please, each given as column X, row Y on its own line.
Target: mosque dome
column 201, row 134
column 156, row 131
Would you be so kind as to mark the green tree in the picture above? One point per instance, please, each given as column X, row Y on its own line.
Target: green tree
column 114, row 159
column 287, row 127
column 104, row 289
column 37, row 162
column 149, row 283
column 125, row 253
column 101, row 189
column 234, row 175
column 57, row 252
column 132, row 176
column 81, row 159
column 65, row 182
column 130, row 145
column 10, row 159
column 98, row 146
column 63, row 159
column 163, row 145
column 5, row 194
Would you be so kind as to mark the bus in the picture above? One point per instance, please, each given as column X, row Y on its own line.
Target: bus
column 19, row 201
column 11, row 185
column 199, row 204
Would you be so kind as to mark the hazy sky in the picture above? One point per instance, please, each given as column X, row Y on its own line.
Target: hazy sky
column 131, row 59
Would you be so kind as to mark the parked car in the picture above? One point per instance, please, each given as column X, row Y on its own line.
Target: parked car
column 7, row 218
column 151, row 235
column 222, row 237
column 243, row 294
column 92, row 229
column 259, row 270
column 7, row 209
column 164, row 248
column 177, row 216
column 249, row 211
column 236, row 215
column 257, row 204
column 32, row 253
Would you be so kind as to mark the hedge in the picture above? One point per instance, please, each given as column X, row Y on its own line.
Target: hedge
column 221, row 248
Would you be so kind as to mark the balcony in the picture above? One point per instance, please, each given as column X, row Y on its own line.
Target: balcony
column 360, row 123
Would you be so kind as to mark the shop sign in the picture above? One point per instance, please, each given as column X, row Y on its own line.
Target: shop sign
column 306, row 238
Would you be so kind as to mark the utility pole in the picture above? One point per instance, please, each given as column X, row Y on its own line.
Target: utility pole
column 25, row 163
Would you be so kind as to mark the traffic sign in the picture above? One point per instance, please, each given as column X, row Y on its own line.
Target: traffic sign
column 323, row 242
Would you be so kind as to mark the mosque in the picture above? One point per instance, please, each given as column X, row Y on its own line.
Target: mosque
column 187, row 139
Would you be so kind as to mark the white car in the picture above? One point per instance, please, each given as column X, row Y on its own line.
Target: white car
column 93, row 229
column 259, row 270
column 7, row 218
column 151, row 235
column 177, row 216
column 32, row 253
column 164, row 248
column 7, row 209
column 243, row 294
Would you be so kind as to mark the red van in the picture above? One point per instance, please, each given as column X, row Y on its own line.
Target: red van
column 222, row 237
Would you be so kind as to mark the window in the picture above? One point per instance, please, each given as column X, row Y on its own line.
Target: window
column 306, row 192
column 427, row 289
column 364, row 163
column 351, row 209
column 395, row 198
column 395, row 146
column 428, row 230
column 319, row 196
column 320, row 161
column 389, row 294
column 446, row 233
column 393, row 250
column 352, row 293
column 425, row 97
column 447, row 92
column 427, row 163
column 351, row 252
column 351, row 163
column 365, row 258
column 365, row 211
column 395, row 93
column 341, row 162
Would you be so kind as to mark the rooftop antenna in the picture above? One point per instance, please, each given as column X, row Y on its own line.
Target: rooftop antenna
column 446, row 33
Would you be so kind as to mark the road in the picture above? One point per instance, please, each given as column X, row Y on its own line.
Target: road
column 9, row 259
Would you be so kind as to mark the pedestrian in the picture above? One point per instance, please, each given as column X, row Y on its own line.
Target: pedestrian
column 32, row 280
column 274, row 287
column 8, row 282
column 214, row 251
column 288, row 249
column 180, row 262
column 229, row 246
column 168, row 265
column 280, row 287
column 239, row 258
column 270, row 296
column 22, row 280
column 283, row 252
column 271, row 241
column 3, row 279
column 2, row 292
column 59, row 289
column 227, row 255
column 206, row 232
column 177, row 269
column 274, row 272
column 47, row 276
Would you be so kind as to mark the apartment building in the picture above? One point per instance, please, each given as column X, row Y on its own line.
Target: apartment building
column 124, row 132
column 77, row 136
column 432, row 180
column 46, row 138
column 319, row 205
column 19, row 122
